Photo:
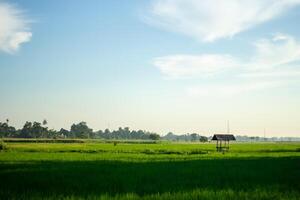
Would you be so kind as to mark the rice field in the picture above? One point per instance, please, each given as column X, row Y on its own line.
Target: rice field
column 164, row 170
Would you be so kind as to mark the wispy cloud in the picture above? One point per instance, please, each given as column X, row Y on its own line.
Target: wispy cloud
column 188, row 66
column 209, row 20
column 14, row 28
column 278, row 53
column 275, row 63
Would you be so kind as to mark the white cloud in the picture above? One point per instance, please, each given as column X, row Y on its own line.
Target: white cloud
column 276, row 63
column 209, row 20
column 278, row 53
column 14, row 28
column 187, row 66
column 271, row 53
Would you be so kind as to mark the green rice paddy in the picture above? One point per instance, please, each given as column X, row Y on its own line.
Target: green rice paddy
column 98, row 170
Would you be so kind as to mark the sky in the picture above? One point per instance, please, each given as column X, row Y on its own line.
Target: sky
column 183, row 66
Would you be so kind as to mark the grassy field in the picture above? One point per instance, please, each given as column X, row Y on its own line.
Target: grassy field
column 96, row 170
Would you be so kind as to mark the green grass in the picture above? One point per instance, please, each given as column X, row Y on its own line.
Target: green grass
column 95, row 170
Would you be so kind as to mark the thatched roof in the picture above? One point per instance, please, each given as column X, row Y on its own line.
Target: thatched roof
column 226, row 137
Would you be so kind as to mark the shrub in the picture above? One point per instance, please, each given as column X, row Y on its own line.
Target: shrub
column 154, row 136
column 3, row 146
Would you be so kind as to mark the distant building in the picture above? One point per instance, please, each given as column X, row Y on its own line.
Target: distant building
column 225, row 138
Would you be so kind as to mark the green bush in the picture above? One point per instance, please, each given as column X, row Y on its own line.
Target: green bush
column 3, row 146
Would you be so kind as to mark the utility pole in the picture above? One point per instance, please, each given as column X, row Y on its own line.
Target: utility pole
column 228, row 128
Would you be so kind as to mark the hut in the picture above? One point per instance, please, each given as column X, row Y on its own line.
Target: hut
column 225, row 138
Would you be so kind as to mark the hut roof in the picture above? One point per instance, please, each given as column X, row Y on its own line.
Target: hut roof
column 223, row 137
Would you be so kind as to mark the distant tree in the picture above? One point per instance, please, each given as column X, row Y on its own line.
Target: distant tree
column 92, row 135
column 63, row 133
column 33, row 130
column 119, row 133
column 45, row 122
column 46, row 133
column 6, row 130
column 203, row 139
column 140, row 134
column 53, row 134
column 99, row 134
column 126, row 133
column 186, row 137
column 26, row 130
column 107, row 134
column 170, row 136
column 194, row 137
column 252, row 138
column 133, row 134
column 154, row 136
column 81, row 130
column 37, row 131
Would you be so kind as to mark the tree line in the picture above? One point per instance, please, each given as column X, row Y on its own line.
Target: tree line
column 193, row 137
column 79, row 130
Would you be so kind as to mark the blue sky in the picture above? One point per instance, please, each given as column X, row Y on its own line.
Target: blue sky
column 161, row 65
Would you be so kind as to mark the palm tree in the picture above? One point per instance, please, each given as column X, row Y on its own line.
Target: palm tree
column 45, row 122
